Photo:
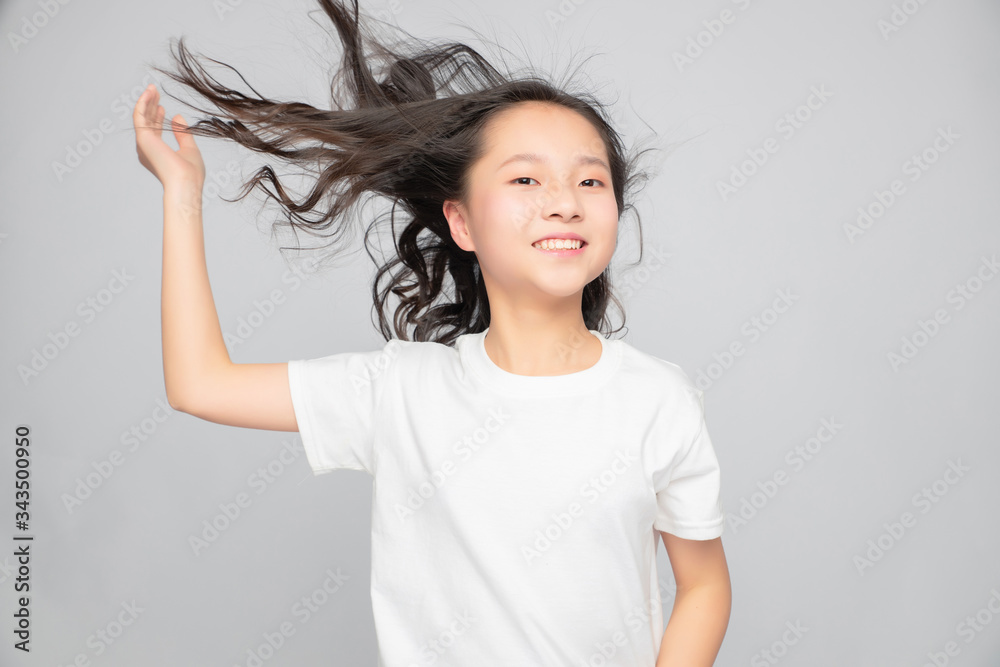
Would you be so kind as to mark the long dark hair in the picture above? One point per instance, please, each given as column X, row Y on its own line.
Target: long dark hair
column 410, row 136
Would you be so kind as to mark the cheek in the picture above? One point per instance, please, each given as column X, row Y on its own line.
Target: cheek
column 607, row 209
column 604, row 219
column 494, row 230
column 493, row 215
column 604, row 215
column 508, row 211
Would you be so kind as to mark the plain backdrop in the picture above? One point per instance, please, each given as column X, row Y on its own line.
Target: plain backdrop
column 828, row 243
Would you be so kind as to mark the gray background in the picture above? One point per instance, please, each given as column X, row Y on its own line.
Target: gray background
column 792, row 553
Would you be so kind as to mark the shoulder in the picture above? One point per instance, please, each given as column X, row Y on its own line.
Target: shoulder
column 417, row 349
column 385, row 357
column 411, row 356
column 667, row 380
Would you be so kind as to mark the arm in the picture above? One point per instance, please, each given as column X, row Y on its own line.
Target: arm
column 199, row 376
column 702, row 606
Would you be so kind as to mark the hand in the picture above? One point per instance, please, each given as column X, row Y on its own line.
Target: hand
column 171, row 167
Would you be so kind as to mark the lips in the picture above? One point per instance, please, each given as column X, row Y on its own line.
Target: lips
column 571, row 246
column 582, row 242
column 563, row 236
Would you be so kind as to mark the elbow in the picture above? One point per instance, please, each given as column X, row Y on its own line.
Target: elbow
column 193, row 393
column 177, row 399
column 174, row 402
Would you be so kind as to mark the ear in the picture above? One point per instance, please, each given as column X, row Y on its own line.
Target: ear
column 455, row 214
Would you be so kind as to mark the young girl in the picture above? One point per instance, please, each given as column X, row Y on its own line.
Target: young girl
column 524, row 462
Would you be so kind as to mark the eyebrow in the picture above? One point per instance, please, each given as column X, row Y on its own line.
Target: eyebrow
column 535, row 157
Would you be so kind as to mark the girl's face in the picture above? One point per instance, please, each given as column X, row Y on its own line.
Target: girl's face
column 544, row 174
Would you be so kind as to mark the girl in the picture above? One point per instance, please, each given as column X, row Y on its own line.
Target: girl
column 525, row 463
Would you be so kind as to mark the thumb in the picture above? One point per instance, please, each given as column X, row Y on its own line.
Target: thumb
column 184, row 140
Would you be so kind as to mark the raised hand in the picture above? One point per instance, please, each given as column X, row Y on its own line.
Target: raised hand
column 183, row 166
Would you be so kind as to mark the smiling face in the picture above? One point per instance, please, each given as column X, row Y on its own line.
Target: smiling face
column 544, row 175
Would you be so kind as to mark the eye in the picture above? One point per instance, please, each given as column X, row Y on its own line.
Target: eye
column 529, row 178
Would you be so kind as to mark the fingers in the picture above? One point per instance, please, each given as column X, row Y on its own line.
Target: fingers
column 147, row 113
column 184, row 140
column 142, row 104
column 154, row 153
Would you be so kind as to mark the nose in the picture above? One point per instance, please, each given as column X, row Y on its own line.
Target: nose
column 561, row 201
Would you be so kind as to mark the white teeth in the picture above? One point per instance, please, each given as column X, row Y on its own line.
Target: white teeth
column 558, row 244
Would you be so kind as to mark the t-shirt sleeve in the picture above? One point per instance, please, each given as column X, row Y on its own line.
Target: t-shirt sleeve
column 336, row 399
column 688, row 490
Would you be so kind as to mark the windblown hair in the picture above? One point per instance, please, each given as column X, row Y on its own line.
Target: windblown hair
column 409, row 135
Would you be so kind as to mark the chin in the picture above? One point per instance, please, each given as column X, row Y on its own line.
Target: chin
column 562, row 289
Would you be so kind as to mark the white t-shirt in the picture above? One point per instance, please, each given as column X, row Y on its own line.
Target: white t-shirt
column 513, row 516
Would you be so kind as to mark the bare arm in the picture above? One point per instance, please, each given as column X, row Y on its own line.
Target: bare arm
column 200, row 378
column 702, row 606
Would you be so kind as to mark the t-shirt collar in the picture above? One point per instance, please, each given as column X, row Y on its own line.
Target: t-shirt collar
column 472, row 349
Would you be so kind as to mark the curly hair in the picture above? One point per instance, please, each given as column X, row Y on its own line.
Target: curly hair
column 409, row 132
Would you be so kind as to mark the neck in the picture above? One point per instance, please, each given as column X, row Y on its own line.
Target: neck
column 542, row 345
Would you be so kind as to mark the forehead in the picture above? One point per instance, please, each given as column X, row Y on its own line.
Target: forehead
column 539, row 127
